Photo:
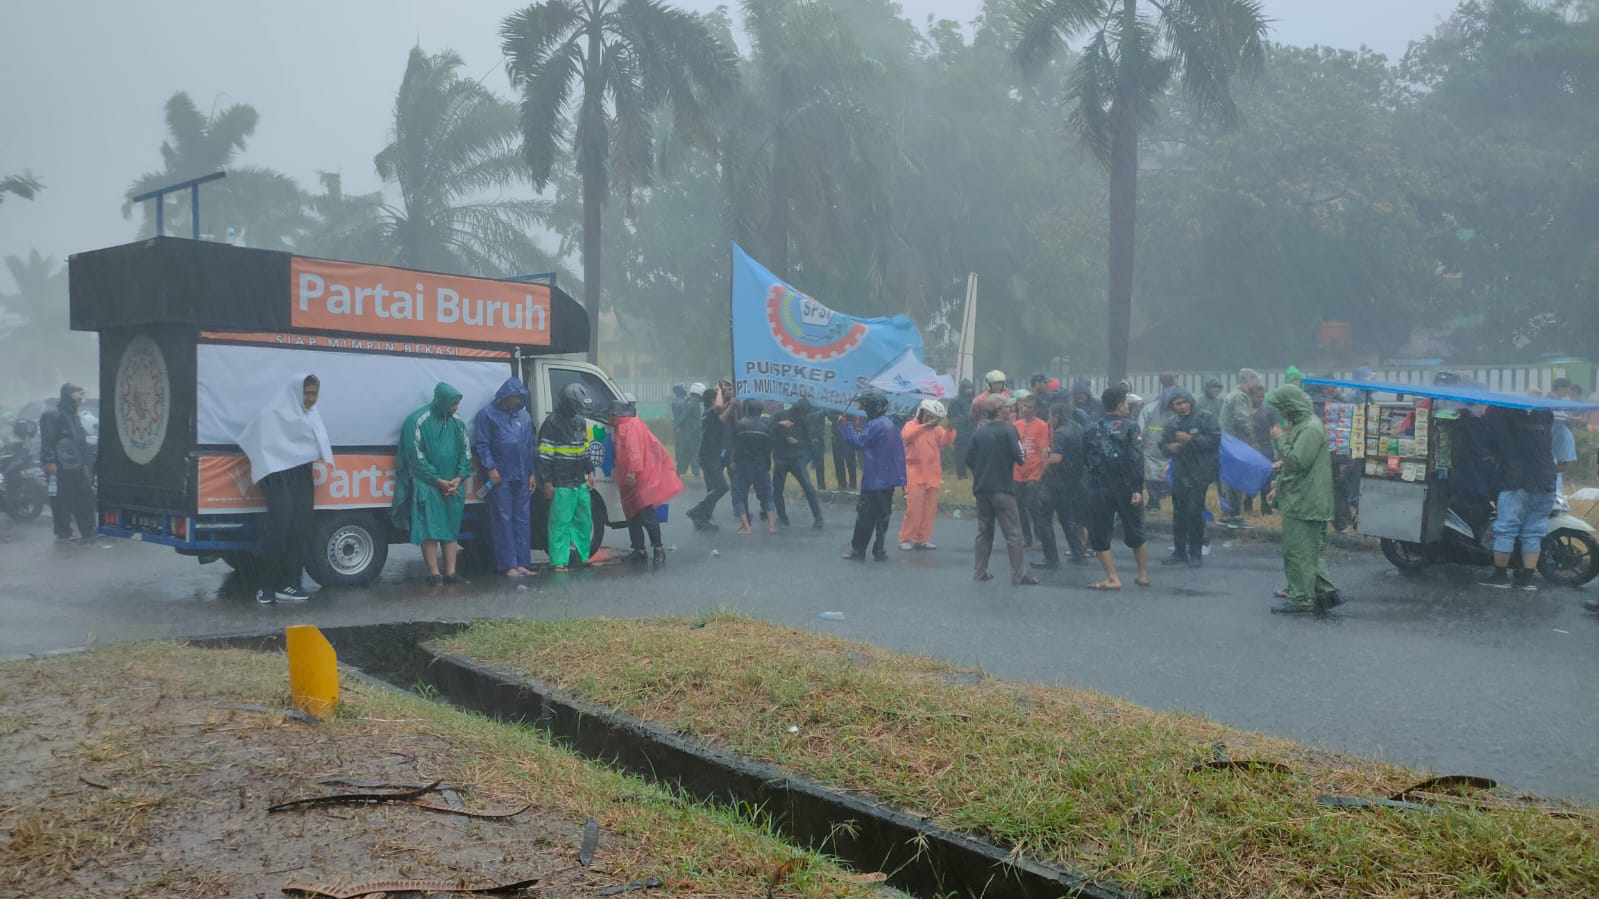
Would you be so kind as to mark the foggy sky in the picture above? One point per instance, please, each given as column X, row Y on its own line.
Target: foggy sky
column 83, row 83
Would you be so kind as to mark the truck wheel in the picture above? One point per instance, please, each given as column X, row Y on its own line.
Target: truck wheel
column 1569, row 558
column 1407, row 557
column 348, row 550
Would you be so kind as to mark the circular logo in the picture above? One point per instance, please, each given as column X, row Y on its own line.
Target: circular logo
column 806, row 328
column 143, row 400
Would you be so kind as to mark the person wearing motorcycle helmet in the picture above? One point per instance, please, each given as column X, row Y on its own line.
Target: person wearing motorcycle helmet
column 566, row 474
column 925, row 437
column 882, row 470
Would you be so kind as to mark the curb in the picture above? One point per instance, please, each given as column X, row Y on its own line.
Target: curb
column 918, row 856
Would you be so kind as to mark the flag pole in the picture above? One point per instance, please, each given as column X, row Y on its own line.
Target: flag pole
column 966, row 354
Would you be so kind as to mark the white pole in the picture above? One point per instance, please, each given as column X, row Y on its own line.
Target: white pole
column 968, row 345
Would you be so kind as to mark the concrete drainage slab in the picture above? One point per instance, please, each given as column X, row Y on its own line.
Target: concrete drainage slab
column 918, row 856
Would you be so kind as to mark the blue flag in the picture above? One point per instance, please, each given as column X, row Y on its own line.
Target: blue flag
column 787, row 345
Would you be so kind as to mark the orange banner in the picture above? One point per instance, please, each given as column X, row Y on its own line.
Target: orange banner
column 372, row 299
column 353, row 482
column 383, row 345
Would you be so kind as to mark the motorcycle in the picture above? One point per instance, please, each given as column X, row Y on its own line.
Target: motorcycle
column 23, row 488
column 1569, row 555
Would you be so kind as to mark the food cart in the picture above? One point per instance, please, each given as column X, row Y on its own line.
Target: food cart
column 1405, row 438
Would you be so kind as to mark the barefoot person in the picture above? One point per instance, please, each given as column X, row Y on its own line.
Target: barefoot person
column 281, row 443
column 503, row 439
column 1114, row 481
column 438, row 458
column 752, row 467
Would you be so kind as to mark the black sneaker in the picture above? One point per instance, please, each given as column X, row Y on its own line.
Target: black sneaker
column 265, row 597
column 1525, row 579
column 637, row 554
column 455, row 579
column 854, row 556
column 1331, row 600
column 290, row 594
column 660, row 554
column 880, row 555
column 1175, row 559
column 437, row 580
column 701, row 524
column 1499, row 580
column 818, row 524
column 1196, row 561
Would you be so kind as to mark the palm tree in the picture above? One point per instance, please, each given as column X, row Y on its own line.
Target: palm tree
column 625, row 59
column 453, row 143
column 345, row 226
column 802, row 134
column 265, row 207
column 1135, row 49
column 23, row 185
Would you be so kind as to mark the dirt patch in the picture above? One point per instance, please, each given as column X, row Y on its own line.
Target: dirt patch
column 148, row 770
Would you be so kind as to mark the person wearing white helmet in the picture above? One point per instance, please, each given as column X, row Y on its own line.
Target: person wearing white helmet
column 925, row 437
column 995, row 385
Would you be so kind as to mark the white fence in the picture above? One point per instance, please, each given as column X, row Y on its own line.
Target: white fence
column 1510, row 379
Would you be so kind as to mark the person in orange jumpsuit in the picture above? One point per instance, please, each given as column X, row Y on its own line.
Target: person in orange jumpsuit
column 925, row 435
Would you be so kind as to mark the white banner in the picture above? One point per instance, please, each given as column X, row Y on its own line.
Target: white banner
column 365, row 397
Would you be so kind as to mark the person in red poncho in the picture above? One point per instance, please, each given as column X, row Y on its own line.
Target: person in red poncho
column 645, row 475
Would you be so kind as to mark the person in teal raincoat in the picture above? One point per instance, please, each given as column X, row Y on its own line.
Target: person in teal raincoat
column 434, row 462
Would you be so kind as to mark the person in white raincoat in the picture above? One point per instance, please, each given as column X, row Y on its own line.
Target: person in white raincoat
column 282, row 442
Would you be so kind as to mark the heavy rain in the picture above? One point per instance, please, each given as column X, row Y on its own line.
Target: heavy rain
column 827, row 447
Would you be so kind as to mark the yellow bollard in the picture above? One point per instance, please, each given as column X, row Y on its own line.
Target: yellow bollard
column 313, row 671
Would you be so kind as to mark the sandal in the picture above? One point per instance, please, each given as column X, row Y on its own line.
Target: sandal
column 1105, row 586
column 1141, row 581
column 1280, row 594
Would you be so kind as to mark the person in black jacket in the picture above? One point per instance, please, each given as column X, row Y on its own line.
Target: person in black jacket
column 1063, row 479
column 995, row 452
column 715, row 437
column 791, row 455
column 752, row 467
column 816, row 427
column 846, row 459
column 1113, row 478
column 64, row 455
column 1192, row 440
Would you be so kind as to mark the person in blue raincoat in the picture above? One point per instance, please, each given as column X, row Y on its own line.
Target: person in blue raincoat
column 504, row 443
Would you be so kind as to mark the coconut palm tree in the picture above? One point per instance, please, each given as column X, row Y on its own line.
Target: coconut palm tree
column 454, row 144
column 623, row 60
column 345, row 226
column 23, row 186
column 264, row 207
column 1135, row 49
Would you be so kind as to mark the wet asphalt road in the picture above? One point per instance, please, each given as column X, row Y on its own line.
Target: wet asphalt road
column 1430, row 671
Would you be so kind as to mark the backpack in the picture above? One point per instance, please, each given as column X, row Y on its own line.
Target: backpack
column 1103, row 444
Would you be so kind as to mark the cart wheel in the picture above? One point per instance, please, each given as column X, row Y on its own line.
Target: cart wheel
column 1569, row 558
column 1407, row 557
column 349, row 549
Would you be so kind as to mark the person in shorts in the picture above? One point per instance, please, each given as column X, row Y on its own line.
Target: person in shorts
column 1113, row 479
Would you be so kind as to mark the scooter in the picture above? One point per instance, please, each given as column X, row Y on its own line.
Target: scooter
column 1568, row 557
column 24, row 492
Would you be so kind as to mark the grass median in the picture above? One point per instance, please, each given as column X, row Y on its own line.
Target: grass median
column 1076, row 778
column 147, row 770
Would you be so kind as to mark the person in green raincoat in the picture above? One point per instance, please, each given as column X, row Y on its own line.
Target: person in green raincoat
column 433, row 462
column 1303, row 493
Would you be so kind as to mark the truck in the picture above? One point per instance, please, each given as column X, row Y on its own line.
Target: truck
column 195, row 336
